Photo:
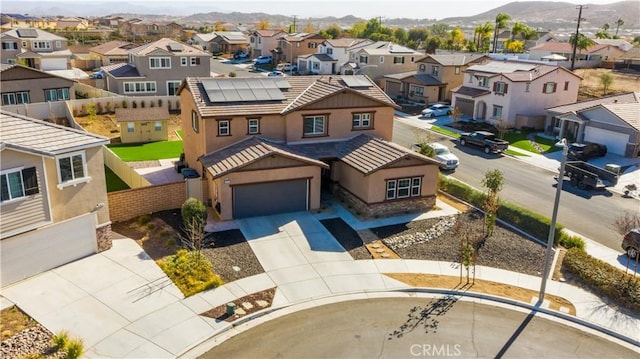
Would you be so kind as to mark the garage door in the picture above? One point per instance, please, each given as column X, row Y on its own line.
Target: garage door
column 37, row 251
column 264, row 199
column 616, row 142
column 465, row 105
column 54, row 64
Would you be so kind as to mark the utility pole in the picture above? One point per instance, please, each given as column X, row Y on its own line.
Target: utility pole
column 293, row 29
column 575, row 37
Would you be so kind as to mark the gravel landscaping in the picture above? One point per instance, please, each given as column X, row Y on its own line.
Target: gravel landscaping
column 31, row 342
column 231, row 255
column 505, row 249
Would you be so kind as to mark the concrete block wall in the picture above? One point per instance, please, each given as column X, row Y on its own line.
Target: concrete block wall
column 131, row 203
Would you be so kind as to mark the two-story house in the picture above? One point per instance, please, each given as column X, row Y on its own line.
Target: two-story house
column 514, row 94
column 261, row 42
column 22, row 85
column 332, row 53
column 228, row 42
column 268, row 145
column 157, row 68
column 35, row 48
column 434, row 79
column 292, row 46
column 381, row 58
column 53, row 201
column 111, row 52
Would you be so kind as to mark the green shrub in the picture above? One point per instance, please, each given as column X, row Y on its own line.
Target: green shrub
column 144, row 219
column 60, row 340
column 232, row 74
column 613, row 283
column 190, row 271
column 74, row 348
column 194, row 215
column 568, row 241
column 462, row 191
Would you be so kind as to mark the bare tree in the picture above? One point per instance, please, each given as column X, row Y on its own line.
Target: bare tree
column 456, row 114
column 626, row 221
column 494, row 181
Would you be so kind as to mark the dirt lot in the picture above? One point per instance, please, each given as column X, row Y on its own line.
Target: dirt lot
column 107, row 126
column 590, row 86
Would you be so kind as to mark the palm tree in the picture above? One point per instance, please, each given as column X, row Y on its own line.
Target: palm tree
column 502, row 21
column 619, row 23
column 581, row 42
column 484, row 36
column 517, row 29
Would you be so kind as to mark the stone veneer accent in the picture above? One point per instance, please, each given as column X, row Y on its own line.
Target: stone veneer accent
column 411, row 204
column 103, row 234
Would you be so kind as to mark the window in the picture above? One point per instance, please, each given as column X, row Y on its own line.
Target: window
column 314, row 125
column 417, row 90
column 413, row 59
column 17, row 183
column 361, row 120
column 483, row 81
column 312, row 45
column 497, row 112
column 259, row 40
column 381, row 60
column 457, row 71
column 403, row 188
column 398, row 59
column 422, row 67
column 40, row 45
column 183, row 61
column 158, row 126
column 223, row 128
column 140, row 87
column 315, row 65
column 194, row 61
column 10, row 46
column 15, row 98
column 566, row 85
column 329, row 51
column 160, row 62
column 58, row 44
column 131, row 127
column 24, row 44
column 549, row 87
column 435, row 70
column 172, row 87
column 527, row 86
column 470, row 78
column 253, row 126
column 56, row 94
column 500, row 88
column 364, row 59
column 195, row 124
column 71, row 169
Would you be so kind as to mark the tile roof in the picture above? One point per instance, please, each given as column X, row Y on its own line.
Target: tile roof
column 30, row 135
column 516, row 70
column 248, row 151
column 459, row 59
column 627, row 112
column 142, row 114
column 565, row 47
column 304, row 90
column 345, row 42
column 163, row 44
column 122, row 70
column 388, row 48
column 470, row 91
column 112, row 48
column 632, row 54
column 322, row 57
column 5, row 67
column 422, row 78
column 269, row 33
column 630, row 97
column 40, row 35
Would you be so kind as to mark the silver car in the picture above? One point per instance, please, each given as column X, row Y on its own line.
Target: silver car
column 448, row 161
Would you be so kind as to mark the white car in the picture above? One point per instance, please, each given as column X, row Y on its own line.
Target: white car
column 448, row 161
column 435, row 110
column 287, row 67
column 276, row 74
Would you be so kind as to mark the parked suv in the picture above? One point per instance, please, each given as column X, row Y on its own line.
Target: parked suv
column 263, row 60
column 631, row 243
column 585, row 151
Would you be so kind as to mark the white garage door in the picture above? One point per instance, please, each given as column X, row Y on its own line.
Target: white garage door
column 616, row 142
column 37, row 251
column 54, row 64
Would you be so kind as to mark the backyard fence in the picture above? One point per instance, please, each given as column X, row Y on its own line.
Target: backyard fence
column 129, row 175
column 131, row 203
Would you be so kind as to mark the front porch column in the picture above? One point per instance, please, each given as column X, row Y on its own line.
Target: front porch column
column 563, row 125
column 580, row 135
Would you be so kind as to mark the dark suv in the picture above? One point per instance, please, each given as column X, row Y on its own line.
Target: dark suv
column 585, row 151
column 631, row 243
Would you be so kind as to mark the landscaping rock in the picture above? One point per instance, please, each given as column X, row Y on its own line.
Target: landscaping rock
column 34, row 340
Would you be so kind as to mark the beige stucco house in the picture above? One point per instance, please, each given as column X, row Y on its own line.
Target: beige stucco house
column 379, row 59
column 111, row 52
column 292, row 46
column 261, row 42
column 269, row 145
column 22, row 85
column 514, row 94
column 143, row 124
column 54, row 205
column 35, row 48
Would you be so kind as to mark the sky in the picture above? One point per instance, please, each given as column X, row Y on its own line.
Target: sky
column 415, row 9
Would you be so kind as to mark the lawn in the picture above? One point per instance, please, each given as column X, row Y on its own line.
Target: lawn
column 519, row 139
column 444, row 131
column 130, row 152
column 114, row 183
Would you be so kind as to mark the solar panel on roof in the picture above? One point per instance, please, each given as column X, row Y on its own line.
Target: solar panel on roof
column 174, row 46
column 244, row 90
column 27, row 33
column 356, row 81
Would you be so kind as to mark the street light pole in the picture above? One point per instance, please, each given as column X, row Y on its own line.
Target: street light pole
column 554, row 216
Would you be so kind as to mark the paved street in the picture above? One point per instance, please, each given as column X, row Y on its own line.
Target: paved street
column 440, row 327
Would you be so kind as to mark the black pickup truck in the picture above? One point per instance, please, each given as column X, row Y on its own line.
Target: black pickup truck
column 484, row 139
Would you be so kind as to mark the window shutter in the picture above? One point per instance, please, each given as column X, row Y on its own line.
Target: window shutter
column 555, row 85
column 506, row 86
column 495, row 86
column 30, row 179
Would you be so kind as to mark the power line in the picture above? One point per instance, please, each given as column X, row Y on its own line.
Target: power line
column 575, row 38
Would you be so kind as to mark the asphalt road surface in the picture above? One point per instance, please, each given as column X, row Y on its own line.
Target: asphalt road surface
column 590, row 213
column 415, row 328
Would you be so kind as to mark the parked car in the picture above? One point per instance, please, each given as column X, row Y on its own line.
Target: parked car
column 435, row 110
column 287, row 67
column 263, row 60
column 631, row 243
column 585, row 151
column 97, row 75
column 239, row 55
column 276, row 74
column 448, row 161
